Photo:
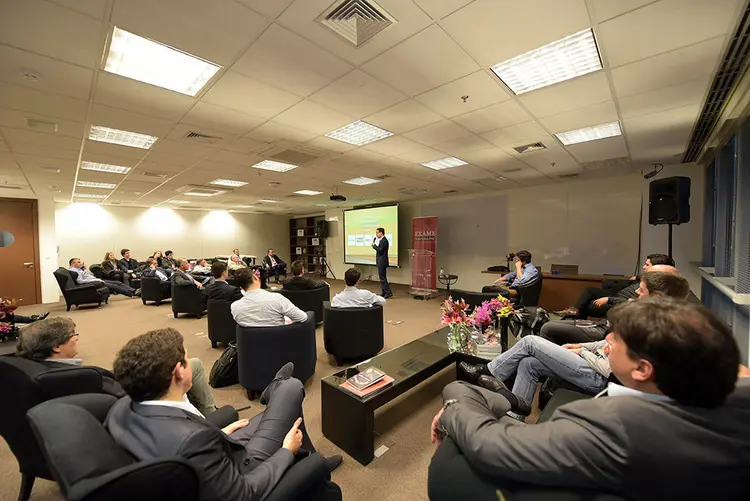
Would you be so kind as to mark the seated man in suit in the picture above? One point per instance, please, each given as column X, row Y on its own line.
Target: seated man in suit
column 54, row 343
column 274, row 265
column 594, row 302
column 523, row 273
column 220, row 290
column 182, row 276
column 261, row 308
column 241, row 462
column 299, row 281
column 153, row 270
column 676, row 428
column 85, row 277
column 584, row 365
column 352, row 297
column 128, row 265
column 584, row 331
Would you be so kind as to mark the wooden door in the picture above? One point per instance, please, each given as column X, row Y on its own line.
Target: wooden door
column 19, row 251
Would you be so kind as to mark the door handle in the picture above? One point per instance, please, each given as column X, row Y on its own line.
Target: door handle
column 28, row 265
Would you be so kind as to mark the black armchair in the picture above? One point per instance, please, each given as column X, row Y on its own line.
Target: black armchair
column 528, row 294
column 153, row 290
column 473, row 299
column 28, row 383
column 615, row 284
column 221, row 325
column 309, row 300
column 188, row 299
column 261, row 351
column 352, row 333
column 75, row 294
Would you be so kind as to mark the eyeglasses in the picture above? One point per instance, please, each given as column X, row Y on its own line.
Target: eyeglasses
column 71, row 336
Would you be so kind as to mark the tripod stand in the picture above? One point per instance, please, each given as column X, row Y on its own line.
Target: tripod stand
column 326, row 268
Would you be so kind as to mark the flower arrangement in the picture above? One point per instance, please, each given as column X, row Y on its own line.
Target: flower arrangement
column 7, row 305
column 458, row 321
column 454, row 311
column 486, row 314
column 8, row 330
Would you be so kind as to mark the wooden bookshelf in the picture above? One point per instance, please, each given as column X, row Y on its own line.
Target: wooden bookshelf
column 306, row 244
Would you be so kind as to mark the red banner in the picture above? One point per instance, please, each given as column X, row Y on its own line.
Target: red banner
column 424, row 253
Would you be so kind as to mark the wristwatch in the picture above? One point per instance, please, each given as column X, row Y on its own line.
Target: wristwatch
column 446, row 404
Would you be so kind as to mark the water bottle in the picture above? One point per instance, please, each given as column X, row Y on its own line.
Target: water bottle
column 441, row 272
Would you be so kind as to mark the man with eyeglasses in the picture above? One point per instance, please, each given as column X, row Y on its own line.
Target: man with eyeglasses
column 54, row 343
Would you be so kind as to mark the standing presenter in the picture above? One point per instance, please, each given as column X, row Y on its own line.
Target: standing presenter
column 380, row 244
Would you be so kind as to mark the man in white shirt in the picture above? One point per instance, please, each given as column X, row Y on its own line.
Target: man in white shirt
column 85, row 277
column 352, row 297
column 260, row 308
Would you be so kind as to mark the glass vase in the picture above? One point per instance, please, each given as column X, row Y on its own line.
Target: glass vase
column 459, row 338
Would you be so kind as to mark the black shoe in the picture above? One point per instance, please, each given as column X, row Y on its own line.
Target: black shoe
column 137, row 293
column 517, row 405
column 387, row 296
column 332, row 462
column 474, row 371
column 284, row 373
column 35, row 318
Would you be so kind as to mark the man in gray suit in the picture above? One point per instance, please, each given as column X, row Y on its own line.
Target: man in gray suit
column 677, row 428
column 243, row 461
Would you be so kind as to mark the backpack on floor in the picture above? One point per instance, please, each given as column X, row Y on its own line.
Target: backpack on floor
column 225, row 371
column 527, row 321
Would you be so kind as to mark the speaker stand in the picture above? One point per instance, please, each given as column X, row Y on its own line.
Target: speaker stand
column 669, row 241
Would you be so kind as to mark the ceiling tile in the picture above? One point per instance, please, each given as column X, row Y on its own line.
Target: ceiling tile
column 93, row 8
column 285, row 60
column 470, row 172
column 326, row 143
column 245, row 145
column 423, row 62
column 42, row 103
column 441, row 8
column 231, row 157
column 114, row 150
column 300, row 18
column 41, row 27
column 671, row 68
column 492, row 32
column 120, row 92
column 482, row 91
column 313, row 117
column 664, row 26
column 403, row 117
column 394, row 145
column 661, row 136
column 181, row 131
column 17, row 137
column 249, row 96
column 601, row 10
column 171, row 159
column 665, row 98
column 18, row 120
column 602, row 149
column 494, row 117
column 217, row 31
column 182, row 147
column 273, row 131
column 582, row 117
column 554, row 154
column 516, row 135
column 127, row 120
column 582, row 91
column 224, row 119
column 440, row 132
column 357, row 94
column 268, row 8
column 462, row 146
column 421, row 155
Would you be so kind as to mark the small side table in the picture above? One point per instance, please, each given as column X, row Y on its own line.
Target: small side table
column 447, row 280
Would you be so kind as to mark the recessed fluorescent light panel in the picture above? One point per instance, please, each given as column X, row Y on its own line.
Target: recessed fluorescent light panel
column 359, row 133
column 274, row 166
column 361, row 181
column 89, row 184
column 157, row 64
column 178, row 202
column 228, row 182
column 593, row 133
column 308, row 192
column 114, row 169
column 571, row 57
column 268, row 200
column 88, row 195
column 202, row 193
column 121, row 137
column 244, row 207
column 444, row 163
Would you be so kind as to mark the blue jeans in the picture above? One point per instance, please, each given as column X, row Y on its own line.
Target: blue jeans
column 533, row 358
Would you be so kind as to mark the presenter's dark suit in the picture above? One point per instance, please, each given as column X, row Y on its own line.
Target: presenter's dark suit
column 381, row 259
column 222, row 291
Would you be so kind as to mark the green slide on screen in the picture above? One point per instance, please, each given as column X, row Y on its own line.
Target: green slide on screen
column 359, row 231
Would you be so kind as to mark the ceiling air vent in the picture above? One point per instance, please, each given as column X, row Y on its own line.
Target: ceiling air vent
column 41, row 125
column 413, row 191
column 200, row 138
column 515, row 169
column 296, row 156
column 447, row 192
column 356, row 21
column 383, row 177
column 729, row 73
column 528, row 148
column 10, row 187
column 568, row 176
column 155, row 175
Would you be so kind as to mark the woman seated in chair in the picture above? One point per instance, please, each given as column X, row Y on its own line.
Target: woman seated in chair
column 111, row 269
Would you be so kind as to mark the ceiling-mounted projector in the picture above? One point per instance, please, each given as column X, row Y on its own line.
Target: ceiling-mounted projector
column 338, row 198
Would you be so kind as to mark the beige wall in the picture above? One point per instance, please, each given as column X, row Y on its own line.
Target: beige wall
column 593, row 223
column 89, row 230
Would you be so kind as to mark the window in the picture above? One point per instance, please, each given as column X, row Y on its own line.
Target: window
column 726, row 176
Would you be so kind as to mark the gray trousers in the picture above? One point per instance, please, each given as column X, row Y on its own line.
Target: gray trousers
column 201, row 395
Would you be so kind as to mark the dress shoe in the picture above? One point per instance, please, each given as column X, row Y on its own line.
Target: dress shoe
column 35, row 318
column 386, row 296
column 517, row 405
column 332, row 462
column 284, row 373
column 474, row 371
column 567, row 312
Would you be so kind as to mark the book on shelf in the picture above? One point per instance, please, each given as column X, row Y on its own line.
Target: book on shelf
column 299, row 250
column 300, row 233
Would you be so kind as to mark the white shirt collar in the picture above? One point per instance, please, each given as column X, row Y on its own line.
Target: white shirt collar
column 69, row 361
column 185, row 405
column 617, row 390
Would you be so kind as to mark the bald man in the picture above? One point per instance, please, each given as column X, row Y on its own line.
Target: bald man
column 585, row 331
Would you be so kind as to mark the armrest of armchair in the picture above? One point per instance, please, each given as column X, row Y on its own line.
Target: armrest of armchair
column 299, row 479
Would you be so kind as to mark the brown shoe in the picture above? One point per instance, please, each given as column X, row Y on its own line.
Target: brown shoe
column 567, row 312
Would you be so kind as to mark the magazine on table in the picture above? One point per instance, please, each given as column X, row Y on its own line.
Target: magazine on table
column 367, row 381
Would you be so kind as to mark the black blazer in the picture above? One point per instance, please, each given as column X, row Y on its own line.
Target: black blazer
column 222, row 291
column 302, row 283
column 267, row 260
column 381, row 252
column 109, row 268
column 128, row 265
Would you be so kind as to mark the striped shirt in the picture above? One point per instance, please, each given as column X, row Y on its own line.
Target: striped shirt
column 260, row 308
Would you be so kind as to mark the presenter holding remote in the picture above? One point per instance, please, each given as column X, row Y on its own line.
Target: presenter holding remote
column 380, row 244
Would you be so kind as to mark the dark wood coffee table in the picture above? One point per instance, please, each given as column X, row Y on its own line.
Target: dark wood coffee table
column 349, row 421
